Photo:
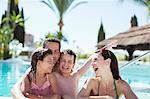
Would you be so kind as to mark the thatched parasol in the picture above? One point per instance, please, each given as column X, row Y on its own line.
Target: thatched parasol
column 136, row 38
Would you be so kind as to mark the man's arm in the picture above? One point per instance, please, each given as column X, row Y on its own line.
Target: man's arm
column 52, row 79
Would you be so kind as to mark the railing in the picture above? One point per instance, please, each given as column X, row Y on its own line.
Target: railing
column 134, row 60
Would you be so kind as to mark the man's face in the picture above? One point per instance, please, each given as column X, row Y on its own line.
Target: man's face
column 54, row 47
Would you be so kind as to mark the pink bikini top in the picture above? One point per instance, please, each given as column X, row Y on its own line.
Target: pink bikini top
column 44, row 90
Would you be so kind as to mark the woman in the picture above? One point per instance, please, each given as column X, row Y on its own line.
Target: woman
column 107, row 83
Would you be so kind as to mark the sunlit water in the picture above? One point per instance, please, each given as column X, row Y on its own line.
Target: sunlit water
column 137, row 75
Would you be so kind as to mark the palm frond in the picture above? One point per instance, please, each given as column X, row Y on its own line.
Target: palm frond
column 60, row 7
column 142, row 2
column 83, row 2
column 49, row 4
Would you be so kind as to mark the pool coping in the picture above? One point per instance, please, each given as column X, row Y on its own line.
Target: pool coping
column 3, row 97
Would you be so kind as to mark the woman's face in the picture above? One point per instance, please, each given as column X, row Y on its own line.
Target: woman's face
column 99, row 64
column 47, row 64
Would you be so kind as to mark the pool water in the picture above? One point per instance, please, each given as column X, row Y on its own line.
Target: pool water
column 137, row 75
column 10, row 72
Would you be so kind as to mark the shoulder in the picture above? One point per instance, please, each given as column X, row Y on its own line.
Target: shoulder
column 28, row 76
column 92, row 82
column 56, row 74
column 123, row 86
column 51, row 76
column 123, row 83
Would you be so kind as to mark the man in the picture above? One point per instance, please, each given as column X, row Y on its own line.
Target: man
column 52, row 44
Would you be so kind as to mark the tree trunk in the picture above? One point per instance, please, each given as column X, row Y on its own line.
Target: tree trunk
column 6, row 52
column 60, row 24
column 130, row 52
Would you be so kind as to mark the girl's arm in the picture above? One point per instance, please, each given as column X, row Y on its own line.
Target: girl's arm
column 25, row 89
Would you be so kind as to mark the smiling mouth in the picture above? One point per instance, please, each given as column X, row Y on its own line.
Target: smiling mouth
column 65, row 68
column 95, row 69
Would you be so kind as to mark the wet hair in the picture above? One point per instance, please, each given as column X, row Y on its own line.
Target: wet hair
column 51, row 40
column 114, row 63
column 39, row 54
column 70, row 52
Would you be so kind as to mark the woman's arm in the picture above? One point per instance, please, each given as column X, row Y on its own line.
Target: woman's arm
column 127, row 91
column 89, row 97
column 90, row 85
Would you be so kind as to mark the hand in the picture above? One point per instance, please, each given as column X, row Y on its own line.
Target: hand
column 114, row 43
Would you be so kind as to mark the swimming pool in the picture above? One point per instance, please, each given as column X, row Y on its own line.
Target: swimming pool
column 137, row 75
column 10, row 72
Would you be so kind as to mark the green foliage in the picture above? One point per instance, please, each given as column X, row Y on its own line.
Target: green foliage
column 57, row 35
column 6, row 32
column 83, row 56
column 25, row 53
column 60, row 36
column 121, row 57
column 49, row 35
column 6, row 35
column 146, row 59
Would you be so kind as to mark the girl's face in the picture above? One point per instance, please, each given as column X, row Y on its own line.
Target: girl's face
column 66, row 63
column 99, row 64
column 47, row 64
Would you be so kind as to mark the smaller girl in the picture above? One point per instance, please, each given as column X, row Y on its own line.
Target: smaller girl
column 40, row 82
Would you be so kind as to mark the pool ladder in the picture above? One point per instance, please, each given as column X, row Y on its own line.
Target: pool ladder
column 134, row 60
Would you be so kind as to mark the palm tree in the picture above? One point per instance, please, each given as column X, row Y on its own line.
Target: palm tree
column 141, row 2
column 60, row 7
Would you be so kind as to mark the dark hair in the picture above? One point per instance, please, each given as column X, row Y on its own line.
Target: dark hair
column 39, row 54
column 114, row 63
column 51, row 40
column 70, row 52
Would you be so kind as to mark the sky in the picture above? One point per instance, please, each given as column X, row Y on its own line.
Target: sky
column 81, row 25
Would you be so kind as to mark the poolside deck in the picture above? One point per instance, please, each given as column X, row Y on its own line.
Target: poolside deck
column 6, row 97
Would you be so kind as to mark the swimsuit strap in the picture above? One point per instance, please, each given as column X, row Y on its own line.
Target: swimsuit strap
column 98, row 87
column 117, row 96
